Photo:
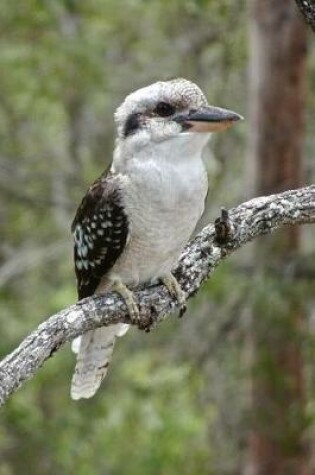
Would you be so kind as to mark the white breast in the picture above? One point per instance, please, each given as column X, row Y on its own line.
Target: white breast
column 164, row 200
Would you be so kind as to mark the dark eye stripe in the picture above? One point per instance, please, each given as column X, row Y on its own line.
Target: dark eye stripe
column 163, row 109
column 132, row 124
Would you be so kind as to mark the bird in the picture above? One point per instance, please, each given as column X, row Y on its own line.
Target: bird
column 137, row 217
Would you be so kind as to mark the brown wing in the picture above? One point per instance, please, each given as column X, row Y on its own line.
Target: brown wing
column 100, row 230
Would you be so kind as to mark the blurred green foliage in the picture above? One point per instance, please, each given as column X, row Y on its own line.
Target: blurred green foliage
column 175, row 401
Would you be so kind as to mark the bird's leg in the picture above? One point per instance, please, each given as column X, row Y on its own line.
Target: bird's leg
column 132, row 306
column 176, row 291
column 129, row 299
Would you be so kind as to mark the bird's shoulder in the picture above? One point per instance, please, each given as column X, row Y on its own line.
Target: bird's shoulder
column 105, row 191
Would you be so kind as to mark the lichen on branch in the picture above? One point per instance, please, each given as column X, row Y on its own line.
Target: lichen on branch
column 202, row 255
column 307, row 8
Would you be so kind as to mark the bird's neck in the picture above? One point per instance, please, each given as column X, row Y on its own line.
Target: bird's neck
column 183, row 149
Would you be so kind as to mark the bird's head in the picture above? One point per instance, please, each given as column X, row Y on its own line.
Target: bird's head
column 169, row 110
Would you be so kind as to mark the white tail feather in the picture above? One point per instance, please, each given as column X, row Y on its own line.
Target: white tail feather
column 75, row 345
column 94, row 349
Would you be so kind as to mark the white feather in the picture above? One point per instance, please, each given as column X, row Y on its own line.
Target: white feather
column 94, row 355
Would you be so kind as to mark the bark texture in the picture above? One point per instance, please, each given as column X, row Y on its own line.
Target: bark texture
column 248, row 221
column 307, row 8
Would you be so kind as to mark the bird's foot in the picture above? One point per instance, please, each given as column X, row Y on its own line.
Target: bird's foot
column 175, row 291
column 132, row 306
column 224, row 228
column 129, row 299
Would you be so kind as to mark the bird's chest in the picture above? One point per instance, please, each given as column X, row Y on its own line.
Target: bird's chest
column 163, row 205
column 163, row 201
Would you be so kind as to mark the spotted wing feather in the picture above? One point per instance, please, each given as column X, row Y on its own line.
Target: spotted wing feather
column 100, row 230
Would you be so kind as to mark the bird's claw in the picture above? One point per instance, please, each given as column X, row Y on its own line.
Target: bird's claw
column 175, row 291
column 130, row 302
column 132, row 307
column 133, row 310
column 182, row 310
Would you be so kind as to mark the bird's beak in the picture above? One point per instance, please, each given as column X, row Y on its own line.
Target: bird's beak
column 208, row 119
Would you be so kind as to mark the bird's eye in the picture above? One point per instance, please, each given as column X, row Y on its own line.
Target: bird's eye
column 164, row 109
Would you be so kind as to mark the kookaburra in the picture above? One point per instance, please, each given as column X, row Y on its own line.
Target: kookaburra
column 136, row 218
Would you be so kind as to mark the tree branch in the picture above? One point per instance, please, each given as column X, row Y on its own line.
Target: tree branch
column 246, row 222
column 307, row 8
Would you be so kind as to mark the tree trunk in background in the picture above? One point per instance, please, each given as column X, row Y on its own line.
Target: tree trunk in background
column 277, row 77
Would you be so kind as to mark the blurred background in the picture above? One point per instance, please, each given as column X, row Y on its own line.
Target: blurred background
column 229, row 389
